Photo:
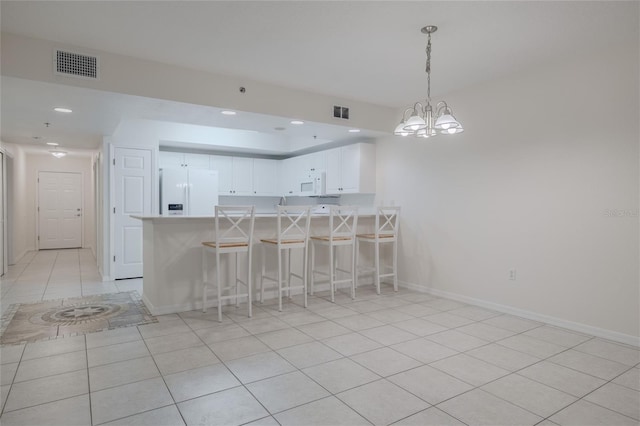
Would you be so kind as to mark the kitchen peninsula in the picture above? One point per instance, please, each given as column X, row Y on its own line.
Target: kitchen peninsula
column 172, row 257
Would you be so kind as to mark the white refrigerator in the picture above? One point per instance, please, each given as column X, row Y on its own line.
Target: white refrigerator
column 188, row 192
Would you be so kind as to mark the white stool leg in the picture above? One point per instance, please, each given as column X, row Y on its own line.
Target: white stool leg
column 395, row 265
column 377, row 265
column 264, row 260
column 288, row 260
column 205, row 279
column 357, row 244
column 332, row 267
column 249, row 278
column 237, row 281
column 304, row 274
column 279, row 279
column 353, row 270
column 219, row 284
column 313, row 265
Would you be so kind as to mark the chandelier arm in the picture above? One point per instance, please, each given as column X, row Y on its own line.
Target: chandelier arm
column 404, row 114
column 418, row 110
column 442, row 105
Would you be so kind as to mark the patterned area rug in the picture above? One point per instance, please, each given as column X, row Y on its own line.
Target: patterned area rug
column 30, row 322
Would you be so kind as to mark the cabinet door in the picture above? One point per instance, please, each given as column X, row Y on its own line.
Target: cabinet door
column 265, row 177
column 197, row 161
column 242, row 176
column 170, row 160
column 287, row 176
column 224, row 166
column 318, row 161
column 350, row 168
column 334, row 171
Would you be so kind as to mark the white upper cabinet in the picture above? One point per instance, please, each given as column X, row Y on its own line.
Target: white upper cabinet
column 197, row 161
column 172, row 160
column 242, row 176
column 235, row 174
column 265, row 177
column 288, row 176
column 224, row 166
column 296, row 168
column 351, row 169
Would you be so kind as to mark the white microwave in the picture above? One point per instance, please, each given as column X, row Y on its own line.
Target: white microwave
column 312, row 184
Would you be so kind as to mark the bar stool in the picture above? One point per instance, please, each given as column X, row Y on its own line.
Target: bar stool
column 386, row 231
column 234, row 234
column 343, row 221
column 292, row 233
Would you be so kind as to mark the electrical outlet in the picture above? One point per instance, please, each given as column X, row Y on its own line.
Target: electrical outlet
column 512, row 274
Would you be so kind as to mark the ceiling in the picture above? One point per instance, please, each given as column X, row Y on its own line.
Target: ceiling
column 369, row 51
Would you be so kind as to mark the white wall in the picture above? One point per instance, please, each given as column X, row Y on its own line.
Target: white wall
column 45, row 162
column 544, row 180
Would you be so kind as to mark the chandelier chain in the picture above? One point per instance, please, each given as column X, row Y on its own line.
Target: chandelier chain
column 428, row 70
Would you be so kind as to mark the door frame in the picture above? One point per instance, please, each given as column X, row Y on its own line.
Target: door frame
column 37, row 203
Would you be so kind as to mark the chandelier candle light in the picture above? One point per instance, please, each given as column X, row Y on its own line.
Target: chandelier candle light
column 422, row 122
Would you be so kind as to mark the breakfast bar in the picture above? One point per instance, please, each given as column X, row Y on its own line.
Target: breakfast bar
column 172, row 259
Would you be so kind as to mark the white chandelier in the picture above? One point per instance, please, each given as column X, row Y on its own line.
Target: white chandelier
column 58, row 153
column 422, row 122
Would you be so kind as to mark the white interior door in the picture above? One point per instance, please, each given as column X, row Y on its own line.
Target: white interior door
column 59, row 210
column 132, row 179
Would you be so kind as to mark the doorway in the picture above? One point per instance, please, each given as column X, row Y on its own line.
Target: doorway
column 59, row 210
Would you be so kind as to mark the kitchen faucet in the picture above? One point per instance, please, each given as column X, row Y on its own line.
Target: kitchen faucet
column 283, row 201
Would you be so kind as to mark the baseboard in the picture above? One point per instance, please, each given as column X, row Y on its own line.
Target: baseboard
column 627, row 339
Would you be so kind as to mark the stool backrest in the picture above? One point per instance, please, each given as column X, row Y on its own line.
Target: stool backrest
column 293, row 223
column 387, row 221
column 343, row 221
column 234, row 224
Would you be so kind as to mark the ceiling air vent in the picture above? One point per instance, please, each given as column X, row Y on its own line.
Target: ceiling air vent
column 340, row 112
column 76, row 65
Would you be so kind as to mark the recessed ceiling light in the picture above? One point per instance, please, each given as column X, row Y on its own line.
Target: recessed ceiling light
column 60, row 109
column 228, row 112
column 53, row 143
column 297, row 122
column 354, row 130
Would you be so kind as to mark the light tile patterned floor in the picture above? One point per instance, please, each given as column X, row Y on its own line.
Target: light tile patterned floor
column 401, row 358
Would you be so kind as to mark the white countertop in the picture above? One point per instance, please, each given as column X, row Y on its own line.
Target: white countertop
column 177, row 218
